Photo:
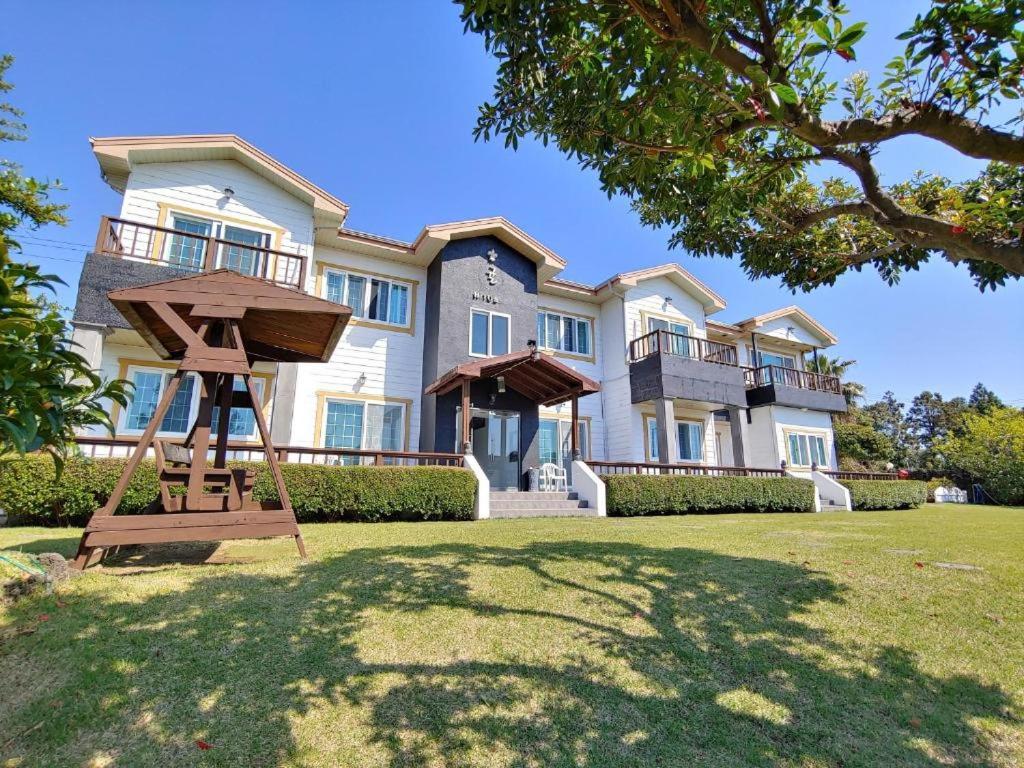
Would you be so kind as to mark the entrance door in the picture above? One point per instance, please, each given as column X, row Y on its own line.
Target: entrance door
column 496, row 446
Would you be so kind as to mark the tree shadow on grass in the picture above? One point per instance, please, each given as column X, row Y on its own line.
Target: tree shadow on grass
column 569, row 653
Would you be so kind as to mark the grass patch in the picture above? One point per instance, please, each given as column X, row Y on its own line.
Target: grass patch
column 734, row 640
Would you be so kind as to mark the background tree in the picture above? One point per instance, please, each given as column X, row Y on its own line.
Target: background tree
column 990, row 450
column 708, row 115
column 983, row 399
column 47, row 390
column 863, row 444
column 888, row 416
column 833, row 366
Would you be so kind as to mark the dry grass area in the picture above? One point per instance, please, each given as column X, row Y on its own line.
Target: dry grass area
column 839, row 639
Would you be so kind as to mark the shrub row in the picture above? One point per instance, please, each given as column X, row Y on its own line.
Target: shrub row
column 32, row 496
column 886, row 494
column 684, row 494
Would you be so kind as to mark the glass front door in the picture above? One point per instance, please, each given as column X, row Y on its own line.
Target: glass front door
column 496, row 446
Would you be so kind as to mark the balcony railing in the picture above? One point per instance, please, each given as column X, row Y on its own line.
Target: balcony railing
column 198, row 253
column 791, row 377
column 681, row 345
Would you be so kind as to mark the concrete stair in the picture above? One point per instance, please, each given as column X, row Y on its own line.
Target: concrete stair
column 515, row 504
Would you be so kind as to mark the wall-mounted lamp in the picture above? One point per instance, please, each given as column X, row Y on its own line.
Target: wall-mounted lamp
column 229, row 192
column 501, row 385
column 532, row 346
column 667, row 303
column 360, row 381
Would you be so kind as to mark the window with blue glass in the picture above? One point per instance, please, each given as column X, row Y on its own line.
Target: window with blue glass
column 242, row 421
column 689, row 434
column 358, row 425
column 381, row 299
column 150, row 384
column 563, row 333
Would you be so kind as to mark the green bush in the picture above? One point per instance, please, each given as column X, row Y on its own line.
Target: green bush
column 31, row 496
column 886, row 494
column 685, row 494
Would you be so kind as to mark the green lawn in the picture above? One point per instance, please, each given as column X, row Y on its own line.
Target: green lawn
column 784, row 640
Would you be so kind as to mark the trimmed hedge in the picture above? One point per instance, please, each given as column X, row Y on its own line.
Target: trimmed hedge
column 886, row 494
column 629, row 495
column 31, row 496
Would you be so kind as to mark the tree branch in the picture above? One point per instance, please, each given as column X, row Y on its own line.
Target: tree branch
column 961, row 133
column 860, row 208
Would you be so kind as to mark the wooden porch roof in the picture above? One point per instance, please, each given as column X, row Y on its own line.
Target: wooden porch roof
column 277, row 324
column 540, row 377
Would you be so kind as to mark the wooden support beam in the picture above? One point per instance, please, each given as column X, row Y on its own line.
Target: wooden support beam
column 467, row 438
column 574, row 442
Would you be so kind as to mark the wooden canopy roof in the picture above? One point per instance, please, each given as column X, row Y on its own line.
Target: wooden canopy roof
column 540, row 377
column 277, row 324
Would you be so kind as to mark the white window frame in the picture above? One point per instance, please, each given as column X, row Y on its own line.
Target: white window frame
column 562, row 318
column 165, row 378
column 563, row 437
column 193, row 411
column 216, row 231
column 810, row 435
column 367, row 288
column 402, row 437
column 260, row 385
column 652, row 439
column 490, row 331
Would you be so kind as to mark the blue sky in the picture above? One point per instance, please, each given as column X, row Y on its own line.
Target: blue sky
column 376, row 102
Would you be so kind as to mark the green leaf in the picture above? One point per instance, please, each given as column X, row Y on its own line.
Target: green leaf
column 784, row 92
column 852, row 34
column 821, row 29
column 757, row 74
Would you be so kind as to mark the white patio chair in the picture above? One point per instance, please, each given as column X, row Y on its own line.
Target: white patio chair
column 551, row 476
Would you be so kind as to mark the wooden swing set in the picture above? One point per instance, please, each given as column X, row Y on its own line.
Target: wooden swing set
column 217, row 324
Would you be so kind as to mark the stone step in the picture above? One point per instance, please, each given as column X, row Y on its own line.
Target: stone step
column 539, row 495
column 537, row 504
column 508, row 514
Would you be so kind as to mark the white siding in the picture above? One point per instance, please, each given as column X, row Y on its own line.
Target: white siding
column 198, row 187
column 649, row 298
column 390, row 360
column 769, row 425
column 590, row 406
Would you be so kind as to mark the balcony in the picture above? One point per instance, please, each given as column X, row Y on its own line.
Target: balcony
column 775, row 385
column 665, row 364
column 185, row 252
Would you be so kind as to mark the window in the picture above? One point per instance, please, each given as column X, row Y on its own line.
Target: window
column 185, row 251
column 772, row 358
column 242, row 421
column 691, row 440
column 805, row 449
column 489, row 333
column 373, row 298
column 690, row 436
column 556, row 440
column 358, row 425
column 188, row 250
column 150, row 385
column 679, row 340
column 564, row 333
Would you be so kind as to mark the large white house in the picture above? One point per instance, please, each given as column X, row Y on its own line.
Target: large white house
column 677, row 385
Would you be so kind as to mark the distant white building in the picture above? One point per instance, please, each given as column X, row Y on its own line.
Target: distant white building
column 676, row 385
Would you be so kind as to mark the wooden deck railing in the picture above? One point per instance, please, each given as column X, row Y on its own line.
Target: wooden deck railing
column 121, row 447
column 655, row 468
column 183, row 250
column 839, row 475
column 791, row 377
column 681, row 345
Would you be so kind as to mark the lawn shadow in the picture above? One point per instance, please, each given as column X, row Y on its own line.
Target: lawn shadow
column 665, row 657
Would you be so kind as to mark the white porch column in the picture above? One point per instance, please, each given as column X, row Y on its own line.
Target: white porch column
column 740, row 439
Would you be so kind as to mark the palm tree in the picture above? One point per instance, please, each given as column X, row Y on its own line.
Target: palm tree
column 833, row 366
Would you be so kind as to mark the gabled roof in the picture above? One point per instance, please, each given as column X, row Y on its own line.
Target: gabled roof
column 433, row 237
column 711, row 301
column 118, row 155
column 540, row 377
column 755, row 322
